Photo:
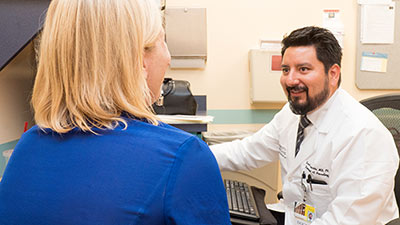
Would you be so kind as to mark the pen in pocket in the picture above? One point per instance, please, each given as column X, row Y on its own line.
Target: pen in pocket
column 314, row 181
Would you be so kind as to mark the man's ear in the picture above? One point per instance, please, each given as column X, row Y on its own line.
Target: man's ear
column 334, row 75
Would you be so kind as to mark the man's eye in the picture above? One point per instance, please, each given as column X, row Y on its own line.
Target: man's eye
column 303, row 69
column 285, row 70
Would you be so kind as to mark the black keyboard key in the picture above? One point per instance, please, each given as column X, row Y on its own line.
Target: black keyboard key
column 244, row 199
column 250, row 201
column 238, row 197
column 239, row 201
column 234, row 198
column 251, row 208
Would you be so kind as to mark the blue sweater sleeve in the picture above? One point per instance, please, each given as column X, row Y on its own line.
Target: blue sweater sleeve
column 195, row 192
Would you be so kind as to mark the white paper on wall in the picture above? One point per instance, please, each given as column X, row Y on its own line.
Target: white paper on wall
column 377, row 23
column 332, row 22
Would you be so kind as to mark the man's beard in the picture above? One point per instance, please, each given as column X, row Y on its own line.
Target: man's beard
column 311, row 103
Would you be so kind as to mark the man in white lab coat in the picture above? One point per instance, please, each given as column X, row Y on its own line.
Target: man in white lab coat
column 338, row 167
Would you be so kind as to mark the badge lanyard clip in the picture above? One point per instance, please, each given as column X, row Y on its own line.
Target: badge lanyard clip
column 303, row 177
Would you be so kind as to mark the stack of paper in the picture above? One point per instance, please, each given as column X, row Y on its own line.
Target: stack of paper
column 180, row 119
column 377, row 21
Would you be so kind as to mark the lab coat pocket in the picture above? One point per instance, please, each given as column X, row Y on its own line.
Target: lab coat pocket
column 320, row 190
column 320, row 196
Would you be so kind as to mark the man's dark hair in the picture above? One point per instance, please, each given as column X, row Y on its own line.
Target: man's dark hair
column 327, row 47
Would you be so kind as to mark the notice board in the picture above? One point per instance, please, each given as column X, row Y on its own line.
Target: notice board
column 378, row 64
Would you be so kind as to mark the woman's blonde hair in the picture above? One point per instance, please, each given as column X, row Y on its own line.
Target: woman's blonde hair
column 90, row 68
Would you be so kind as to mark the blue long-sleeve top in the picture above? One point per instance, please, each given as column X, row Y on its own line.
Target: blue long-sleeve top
column 144, row 174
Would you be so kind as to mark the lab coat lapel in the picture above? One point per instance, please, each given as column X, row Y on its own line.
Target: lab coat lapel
column 306, row 149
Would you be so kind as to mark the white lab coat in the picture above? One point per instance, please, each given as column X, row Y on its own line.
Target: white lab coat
column 346, row 146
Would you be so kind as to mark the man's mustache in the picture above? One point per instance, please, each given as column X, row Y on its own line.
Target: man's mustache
column 297, row 88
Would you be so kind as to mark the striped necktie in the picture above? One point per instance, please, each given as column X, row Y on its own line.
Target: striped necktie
column 304, row 122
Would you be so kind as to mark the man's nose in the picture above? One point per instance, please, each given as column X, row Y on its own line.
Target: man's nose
column 292, row 78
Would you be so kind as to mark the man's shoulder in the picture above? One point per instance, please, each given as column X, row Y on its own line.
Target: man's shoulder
column 356, row 116
column 354, row 110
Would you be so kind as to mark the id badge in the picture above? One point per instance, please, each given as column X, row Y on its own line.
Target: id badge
column 304, row 213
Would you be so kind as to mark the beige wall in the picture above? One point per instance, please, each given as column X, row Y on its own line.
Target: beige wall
column 16, row 81
column 235, row 26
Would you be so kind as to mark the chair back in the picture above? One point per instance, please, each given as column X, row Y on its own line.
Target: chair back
column 387, row 109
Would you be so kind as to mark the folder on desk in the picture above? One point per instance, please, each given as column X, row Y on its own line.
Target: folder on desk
column 184, row 119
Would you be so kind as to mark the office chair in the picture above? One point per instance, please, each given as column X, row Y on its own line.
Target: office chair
column 387, row 109
column 394, row 222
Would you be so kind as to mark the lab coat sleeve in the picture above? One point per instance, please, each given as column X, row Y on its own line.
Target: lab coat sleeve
column 251, row 152
column 365, row 181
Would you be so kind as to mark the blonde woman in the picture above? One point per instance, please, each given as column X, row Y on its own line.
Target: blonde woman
column 98, row 155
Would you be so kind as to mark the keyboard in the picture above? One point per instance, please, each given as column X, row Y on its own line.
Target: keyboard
column 241, row 200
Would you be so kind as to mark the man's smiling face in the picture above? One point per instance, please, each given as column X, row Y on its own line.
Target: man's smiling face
column 304, row 80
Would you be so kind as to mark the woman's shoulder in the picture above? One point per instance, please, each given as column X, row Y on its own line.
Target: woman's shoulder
column 162, row 128
column 166, row 138
column 159, row 133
